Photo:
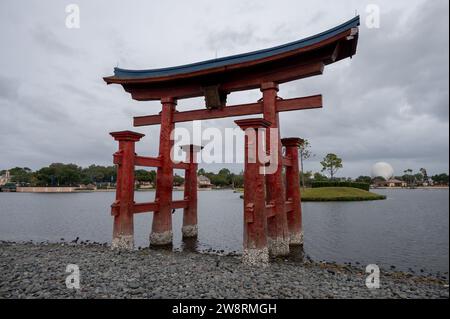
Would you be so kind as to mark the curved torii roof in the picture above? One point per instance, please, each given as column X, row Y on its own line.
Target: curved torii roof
column 283, row 63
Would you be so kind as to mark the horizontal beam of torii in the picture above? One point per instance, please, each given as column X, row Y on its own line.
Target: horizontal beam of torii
column 301, row 103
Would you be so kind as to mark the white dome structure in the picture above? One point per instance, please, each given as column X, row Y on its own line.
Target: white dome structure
column 382, row 169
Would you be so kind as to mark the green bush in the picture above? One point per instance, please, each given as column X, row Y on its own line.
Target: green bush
column 363, row 186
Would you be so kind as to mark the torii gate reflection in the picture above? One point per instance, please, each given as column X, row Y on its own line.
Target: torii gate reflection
column 272, row 210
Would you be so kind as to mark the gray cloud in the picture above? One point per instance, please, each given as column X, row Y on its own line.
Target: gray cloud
column 390, row 102
column 229, row 38
column 8, row 88
column 49, row 41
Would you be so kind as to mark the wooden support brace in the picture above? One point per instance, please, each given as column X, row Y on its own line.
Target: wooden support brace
column 287, row 161
column 145, row 207
column 270, row 210
column 302, row 103
column 289, row 206
column 147, row 161
column 181, row 165
column 176, row 204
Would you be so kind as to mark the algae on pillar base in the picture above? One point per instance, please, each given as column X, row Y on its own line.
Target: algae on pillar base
column 189, row 231
column 296, row 239
column 278, row 247
column 124, row 242
column 161, row 239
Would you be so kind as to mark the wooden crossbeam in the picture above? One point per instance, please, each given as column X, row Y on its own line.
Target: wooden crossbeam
column 270, row 210
column 179, row 204
column 154, row 206
column 147, row 161
column 289, row 206
column 181, row 165
column 301, row 103
column 155, row 162
column 145, row 207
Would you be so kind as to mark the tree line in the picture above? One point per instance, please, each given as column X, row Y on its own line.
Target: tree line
column 58, row 174
column 332, row 163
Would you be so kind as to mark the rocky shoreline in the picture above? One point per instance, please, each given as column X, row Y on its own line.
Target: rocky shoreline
column 31, row 270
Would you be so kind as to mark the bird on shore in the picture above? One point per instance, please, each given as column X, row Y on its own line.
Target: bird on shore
column 75, row 240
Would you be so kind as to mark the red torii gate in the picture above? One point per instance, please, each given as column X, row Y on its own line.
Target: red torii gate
column 272, row 211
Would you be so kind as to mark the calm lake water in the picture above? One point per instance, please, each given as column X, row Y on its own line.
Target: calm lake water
column 408, row 230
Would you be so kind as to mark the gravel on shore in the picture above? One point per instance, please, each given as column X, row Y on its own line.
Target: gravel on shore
column 31, row 270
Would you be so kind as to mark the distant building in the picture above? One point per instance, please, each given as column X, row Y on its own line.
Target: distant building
column 87, row 187
column 396, row 183
column 4, row 179
column 203, row 182
column 144, row 185
column 390, row 183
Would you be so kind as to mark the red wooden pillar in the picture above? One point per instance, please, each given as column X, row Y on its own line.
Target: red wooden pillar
column 255, row 219
column 162, row 218
column 275, row 192
column 122, row 209
column 294, row 217
column 190, row 228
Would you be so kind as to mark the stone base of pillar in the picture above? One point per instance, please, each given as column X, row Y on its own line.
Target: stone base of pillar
column 123, row 242
column 278, row 247
column 161, row 239
column 256, row 257
column 189, row 231
column 296, row 239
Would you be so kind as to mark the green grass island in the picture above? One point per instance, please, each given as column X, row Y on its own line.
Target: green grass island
column 335, row 194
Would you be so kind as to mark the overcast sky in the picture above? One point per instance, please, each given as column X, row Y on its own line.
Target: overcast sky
column 389, row 103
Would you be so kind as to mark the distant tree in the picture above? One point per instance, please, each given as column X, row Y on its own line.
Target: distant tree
column 58, row 174
column 226, row 175
column 305, row 153
column 98, row 174
column 238, row 180
column 408, row 176
column 319, row 177
column 424, row 173
column 67, row 174
column 440, row 179
column 20, row 175
column 224, row 172
column 224, row 178
column 142, row 175
column 444, row 179
column 418, row 178
column 364, row 179
column 305, row 178
column 331, row 163
column 178, row 180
